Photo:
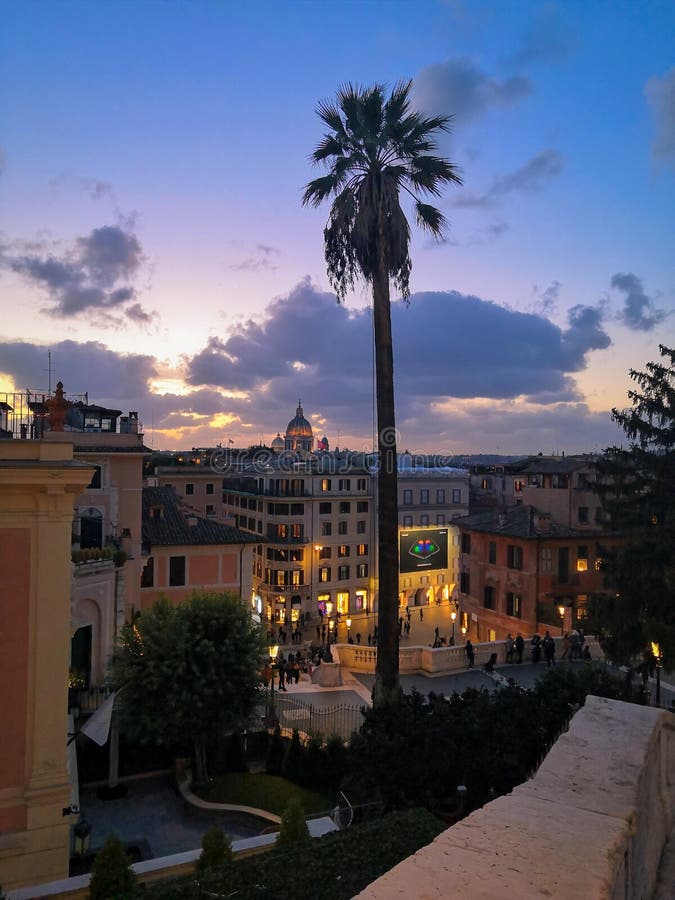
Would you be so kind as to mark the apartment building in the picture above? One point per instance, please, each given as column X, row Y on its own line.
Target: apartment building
column 524, row 561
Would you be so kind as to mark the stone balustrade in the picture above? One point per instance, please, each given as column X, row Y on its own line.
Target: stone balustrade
column 415, row 660
column 592, row 822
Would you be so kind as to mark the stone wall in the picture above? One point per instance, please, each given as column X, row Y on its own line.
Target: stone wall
column 591, row 823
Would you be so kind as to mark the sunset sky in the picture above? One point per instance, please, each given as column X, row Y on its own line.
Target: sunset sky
column 152, row 161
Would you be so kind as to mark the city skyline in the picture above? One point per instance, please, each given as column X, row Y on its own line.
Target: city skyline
column 153, row 237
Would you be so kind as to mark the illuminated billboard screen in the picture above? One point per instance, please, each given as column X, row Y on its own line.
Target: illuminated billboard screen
column 422, row 548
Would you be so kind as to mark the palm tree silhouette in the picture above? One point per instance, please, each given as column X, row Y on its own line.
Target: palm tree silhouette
column 374, row 149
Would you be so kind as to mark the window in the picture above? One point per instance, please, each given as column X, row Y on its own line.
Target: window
column 407, row 521
column 424, row 495
column 345, row 484
column 464, row 582
column 325, row 484
column 514, row 556
column 176, row 571
column 466, row 543
column 325, row 552
column 189, row 489
column 296, row 577
column 599, row 563
column 486, row 484
column 440, row 519
column 325, row 508
column 361, row 527
column 583, row 515
column 546, row 560
column 297, row 532
column 407, row 498
column 362, row 506
column 440, row 495
column 361, row 484
column 326, row 529
column 518, row 487
column 342, row 527
column 297, row 509
column 489, row 597
column 343, row 573
column 343, row 550
column 456, row 495
column 211, row 511
column 209, row 488
column 582, row 559
column 362, row 550
column 95, row 482
column 560, row 481
column 345, row 507
column 362, row 570
column 424, row 520
column 324, row 573
column 492, row 552
column 513, row 605
column 342, row 601
column 148, row 573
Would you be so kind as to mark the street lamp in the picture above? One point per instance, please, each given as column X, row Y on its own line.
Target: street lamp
column 658, row 656
column 561, row 611
column 329, row 608
column 271, row 713
column 82, row 837
column 453, row 616
column 349, row 625
column 463, row 629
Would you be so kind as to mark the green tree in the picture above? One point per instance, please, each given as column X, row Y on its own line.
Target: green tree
column 216, row 851
column 112, row 875
column 374, row 149
column 188, row 672
column 637, row 487
column 294, row 828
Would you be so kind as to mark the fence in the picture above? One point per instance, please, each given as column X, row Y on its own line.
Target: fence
column 315, row 721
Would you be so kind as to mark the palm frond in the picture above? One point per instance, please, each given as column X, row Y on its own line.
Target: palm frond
column 430, row 173
column 329, row 146
column 430, row 219
column 318, row 189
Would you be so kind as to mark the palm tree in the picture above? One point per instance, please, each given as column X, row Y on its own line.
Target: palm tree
column 374, row 149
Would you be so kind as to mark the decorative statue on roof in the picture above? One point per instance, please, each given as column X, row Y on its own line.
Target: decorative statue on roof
column 57, row 407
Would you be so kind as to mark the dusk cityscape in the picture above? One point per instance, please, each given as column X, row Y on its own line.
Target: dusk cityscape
column 337, row 450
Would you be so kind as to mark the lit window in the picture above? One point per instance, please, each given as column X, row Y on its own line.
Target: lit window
column 325, row 484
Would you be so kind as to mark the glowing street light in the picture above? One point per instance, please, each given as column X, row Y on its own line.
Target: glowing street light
column 658, row 656
column 561, row 612
column 349, row 625
column 453, row 616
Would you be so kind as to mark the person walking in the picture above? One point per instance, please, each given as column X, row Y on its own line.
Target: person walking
column 421, row 614
column 358, row 637
column 470, row 652
column 520, row 647
column 536, row 648
column 510, row 647
column 281, row 668
column 549, row 649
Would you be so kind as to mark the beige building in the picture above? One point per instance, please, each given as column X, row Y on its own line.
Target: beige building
column 39, row 484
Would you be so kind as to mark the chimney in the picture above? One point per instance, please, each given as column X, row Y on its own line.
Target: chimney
column 542, row 521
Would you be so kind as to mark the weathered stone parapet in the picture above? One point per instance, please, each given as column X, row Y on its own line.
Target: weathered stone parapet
column 592, row 823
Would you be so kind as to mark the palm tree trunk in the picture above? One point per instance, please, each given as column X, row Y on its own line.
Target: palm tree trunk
column 386, row 672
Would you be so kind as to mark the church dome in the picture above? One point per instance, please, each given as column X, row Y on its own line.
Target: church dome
column 299, row 434
column 299, row 426
column 278, row 443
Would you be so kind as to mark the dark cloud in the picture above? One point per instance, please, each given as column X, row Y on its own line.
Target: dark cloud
column 639, row 312
column 547, row 39
column 95, row 276
column 457, row 87
column 262, row 260
column 447, row 344
column 110, row 377
column 530, row 178
column 660, row 94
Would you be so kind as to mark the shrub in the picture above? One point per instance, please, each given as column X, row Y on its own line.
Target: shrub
column 119, row 558
column 314, row 769
column 112, row 875
column 293, row 763
column 216, row 850
column 294, row 828
column 275, row 753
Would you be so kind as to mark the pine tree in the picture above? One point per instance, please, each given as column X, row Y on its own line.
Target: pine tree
column 216, row 851
column 112, row 875
column 637, row 487
column 294, row 828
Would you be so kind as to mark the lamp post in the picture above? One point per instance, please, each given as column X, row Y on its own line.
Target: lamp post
column 453, row 616
column 271, row 712
column 561, row 612
column 82, row 837
column 463, row 630
column 349, row 625
column 658, row 656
